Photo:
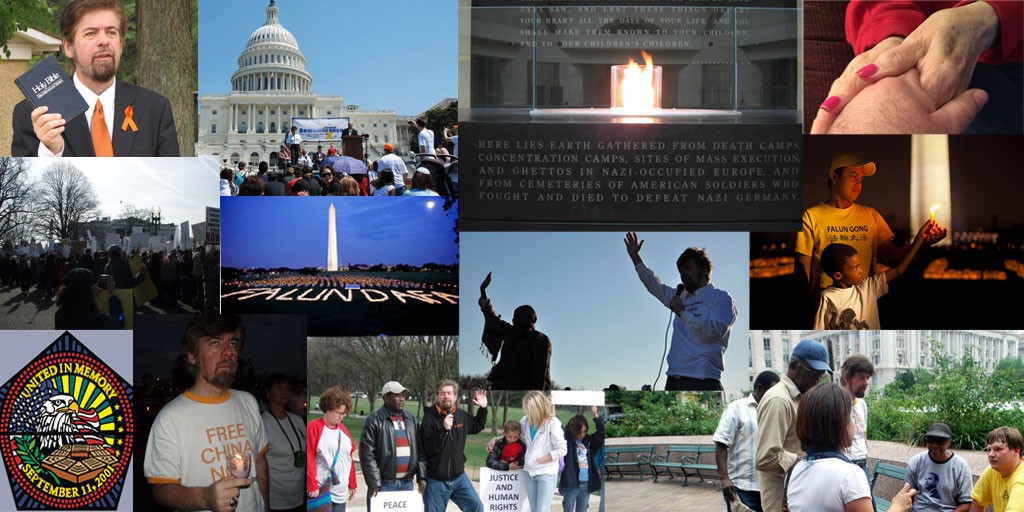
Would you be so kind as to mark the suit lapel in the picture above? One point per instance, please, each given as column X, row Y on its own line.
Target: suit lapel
column 123, row 139
column 78, row 138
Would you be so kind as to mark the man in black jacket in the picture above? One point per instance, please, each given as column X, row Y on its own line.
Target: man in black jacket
column 443, row 445
column 388, row 446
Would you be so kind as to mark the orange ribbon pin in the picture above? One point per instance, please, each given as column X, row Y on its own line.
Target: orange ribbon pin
column 128, row 121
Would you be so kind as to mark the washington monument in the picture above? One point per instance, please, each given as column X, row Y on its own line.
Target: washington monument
column 332, row 242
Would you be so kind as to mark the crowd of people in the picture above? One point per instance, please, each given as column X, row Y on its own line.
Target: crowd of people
column 299, row 173
column 73, row 282
column 800, row 443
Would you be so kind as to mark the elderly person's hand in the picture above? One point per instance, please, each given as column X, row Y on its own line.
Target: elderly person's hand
column 944, row 49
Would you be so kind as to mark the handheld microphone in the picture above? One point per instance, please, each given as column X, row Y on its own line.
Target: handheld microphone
column 680, row 288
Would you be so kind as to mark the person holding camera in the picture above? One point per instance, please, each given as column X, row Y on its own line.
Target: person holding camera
column 78, row 306
column 286, row 458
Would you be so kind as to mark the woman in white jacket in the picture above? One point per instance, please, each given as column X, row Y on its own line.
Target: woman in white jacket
column 545, row 445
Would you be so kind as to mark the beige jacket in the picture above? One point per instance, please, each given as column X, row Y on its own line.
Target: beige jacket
column 777, row 444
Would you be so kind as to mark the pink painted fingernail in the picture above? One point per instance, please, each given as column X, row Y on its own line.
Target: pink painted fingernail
column 867, row 71
column 830, row 103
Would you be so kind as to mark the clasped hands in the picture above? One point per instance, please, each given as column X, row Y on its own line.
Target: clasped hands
column 916, row 84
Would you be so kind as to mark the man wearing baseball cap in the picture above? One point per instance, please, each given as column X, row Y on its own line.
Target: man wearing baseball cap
column 394, row 163
column 387, row 446
column 942, row 478
column 841, row 219
column 777, row 444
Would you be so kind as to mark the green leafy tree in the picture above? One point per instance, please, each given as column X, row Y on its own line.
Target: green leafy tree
column 1008, row 379
column 956, row 391
column 438, row 119
column 18, row 15
column 662, row 414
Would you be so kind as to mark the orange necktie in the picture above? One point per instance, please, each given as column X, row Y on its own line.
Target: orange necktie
column 100, row 136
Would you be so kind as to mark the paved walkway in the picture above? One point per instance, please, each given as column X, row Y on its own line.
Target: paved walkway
column 630, row 495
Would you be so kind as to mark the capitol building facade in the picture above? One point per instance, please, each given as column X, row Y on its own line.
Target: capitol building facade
column 270, row 87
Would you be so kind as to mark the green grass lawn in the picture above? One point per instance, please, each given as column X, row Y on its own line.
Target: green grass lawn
column 476, row 445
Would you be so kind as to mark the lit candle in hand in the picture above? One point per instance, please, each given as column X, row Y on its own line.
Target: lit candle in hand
column 239, row 464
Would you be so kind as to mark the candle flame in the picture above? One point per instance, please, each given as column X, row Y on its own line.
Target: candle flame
column 932, row 211
column 638, row 85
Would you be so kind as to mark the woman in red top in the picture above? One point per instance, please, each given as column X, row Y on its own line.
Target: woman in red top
column 329, row 450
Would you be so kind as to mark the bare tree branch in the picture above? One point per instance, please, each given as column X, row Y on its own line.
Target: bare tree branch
column 66, row 199
column 16, row 204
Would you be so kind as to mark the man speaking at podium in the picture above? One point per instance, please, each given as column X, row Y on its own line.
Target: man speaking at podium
column 122, row 119
column 702, row 318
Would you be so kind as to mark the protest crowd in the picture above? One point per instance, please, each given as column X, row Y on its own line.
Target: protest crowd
column 181, row 277
column 297, row 172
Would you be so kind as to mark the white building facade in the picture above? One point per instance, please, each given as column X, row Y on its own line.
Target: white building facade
column 892, row 352
column 270, row 87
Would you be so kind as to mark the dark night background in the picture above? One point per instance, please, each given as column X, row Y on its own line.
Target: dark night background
column 986, row 179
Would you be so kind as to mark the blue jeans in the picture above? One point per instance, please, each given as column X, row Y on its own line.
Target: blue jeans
column 460, row 491
column 576, row 498
column 751, row 499
column 540, row 491
column 404, row 484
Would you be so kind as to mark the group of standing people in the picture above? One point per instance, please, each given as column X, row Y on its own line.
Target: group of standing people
column 798, row 443
column 398, row 452
column 387, row 177
column 75, row 281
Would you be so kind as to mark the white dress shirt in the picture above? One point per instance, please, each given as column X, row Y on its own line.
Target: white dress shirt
column 106, row 99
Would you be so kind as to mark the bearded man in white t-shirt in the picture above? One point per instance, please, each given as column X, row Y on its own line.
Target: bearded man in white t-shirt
column 201, row 436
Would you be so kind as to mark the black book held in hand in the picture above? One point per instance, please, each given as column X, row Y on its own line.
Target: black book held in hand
column 47, row 84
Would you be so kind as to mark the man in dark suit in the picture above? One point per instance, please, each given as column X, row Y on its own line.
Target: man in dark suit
column 349, row 131
column 122, row 120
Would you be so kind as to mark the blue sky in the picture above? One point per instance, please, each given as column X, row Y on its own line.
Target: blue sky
column 292, row 231
column 604, row 326
column 181, row 188
column 374, row 54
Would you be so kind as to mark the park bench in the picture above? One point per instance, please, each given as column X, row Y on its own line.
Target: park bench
column 889, row 470
column 688, row 463
column 618, row 457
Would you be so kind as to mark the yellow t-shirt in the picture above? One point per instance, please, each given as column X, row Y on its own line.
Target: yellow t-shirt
column 860, row 227
column 1004, row 494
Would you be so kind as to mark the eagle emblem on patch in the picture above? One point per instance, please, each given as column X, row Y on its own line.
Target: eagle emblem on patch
column 66, row 430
